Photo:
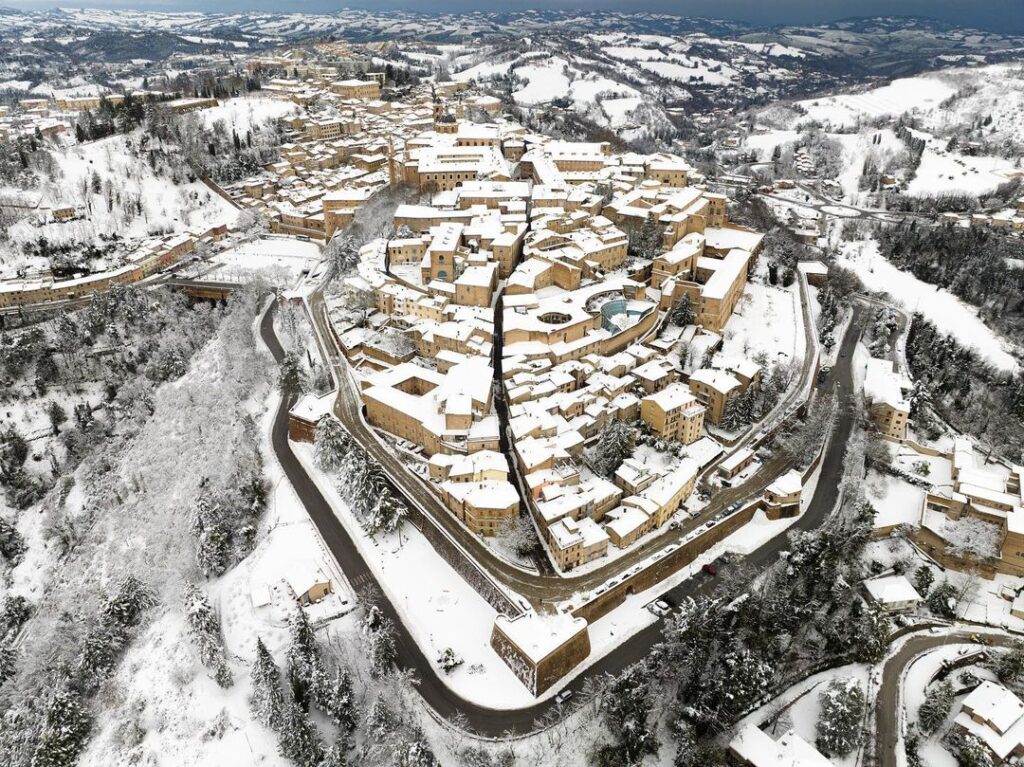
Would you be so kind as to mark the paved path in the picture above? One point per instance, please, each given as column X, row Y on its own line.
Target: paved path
column 887, row 722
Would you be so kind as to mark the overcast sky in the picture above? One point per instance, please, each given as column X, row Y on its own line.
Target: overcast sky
column 999, row 15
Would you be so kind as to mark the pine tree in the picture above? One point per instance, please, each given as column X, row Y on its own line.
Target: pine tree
column 923, row 578
column 8, row 661
column 330, row 444
column 292, row 379
column 415, row 752
column 937, row 704
column 627, row 708
column 337, row 754
column 12, row 546
column 942, row 600
column 213, row 550
column 872, row 633
column 204, row 628
column 381, row 722
column 342, row 709
column 1010, row 666
column 66, row 725
column 297, row 737
column 305, row 668
column 382, row 650
column 682, row 313
column 267, row 701
column 614, row 445
column 839, row 723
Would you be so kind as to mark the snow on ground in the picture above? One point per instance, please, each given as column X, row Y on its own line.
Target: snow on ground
column 949, row 313
column 185, row 717
column 547, row 80
column 441, row 610
column 689, row 70
column 897, row 501
column 767, row 319
column 941, row 171
column 909, row 94
column 630, row 53
column 284, row 258
column 799, row 707
column 242, row 113
column 916, row 678
column 482, row 71
column 620, row 110
column 129, row 183
column 937, row 470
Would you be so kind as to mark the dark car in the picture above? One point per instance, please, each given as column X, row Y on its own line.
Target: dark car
column 710, row 569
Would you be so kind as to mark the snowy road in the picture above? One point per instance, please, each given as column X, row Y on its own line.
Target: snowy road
column 888, row 708
column 486, row 721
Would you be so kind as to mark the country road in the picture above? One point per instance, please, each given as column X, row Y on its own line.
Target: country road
column 496, row 723
column 888, row 708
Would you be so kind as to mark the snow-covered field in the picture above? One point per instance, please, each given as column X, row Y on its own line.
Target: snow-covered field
column 896, row 501
column 941, row 171
column 949, row 313
column 767, row 320
column 114, row 191
column 910, row 94
column 283, row 258
column 240, row 114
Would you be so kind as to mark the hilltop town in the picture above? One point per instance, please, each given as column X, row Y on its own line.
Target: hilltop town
column 361, row 411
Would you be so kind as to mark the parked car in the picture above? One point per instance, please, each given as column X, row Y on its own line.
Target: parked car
column 710, row 569
column 659, row 608
column 563, row 697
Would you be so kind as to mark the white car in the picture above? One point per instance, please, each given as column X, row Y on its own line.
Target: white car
column 562, row 697
column 658, row 608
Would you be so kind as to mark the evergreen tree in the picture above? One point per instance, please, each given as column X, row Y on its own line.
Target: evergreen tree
column 923, row 578
column 872, row 632
column 66, row 726
column 56, row 414
column 267, row 701
column 839, row 723
column 213, row 550
column 381, row 722
column 337, row 754
column 415, row 752
column 305, row 668
column 382, row 650
column 12, row 546
column 682, row 313
column 614, row 445
column 387, row 512
column 627, row 707
column 204, row 629
column 297, row 737
column 942, row 600
column 292, row 379
column 8, row 661
column 331, row 443
column 342, row 709
column 970, row 750
column 938, row 702
column 1010, row 666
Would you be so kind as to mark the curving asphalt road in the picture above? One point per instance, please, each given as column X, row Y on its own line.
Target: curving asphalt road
column 497, row 723
column 887, row 722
